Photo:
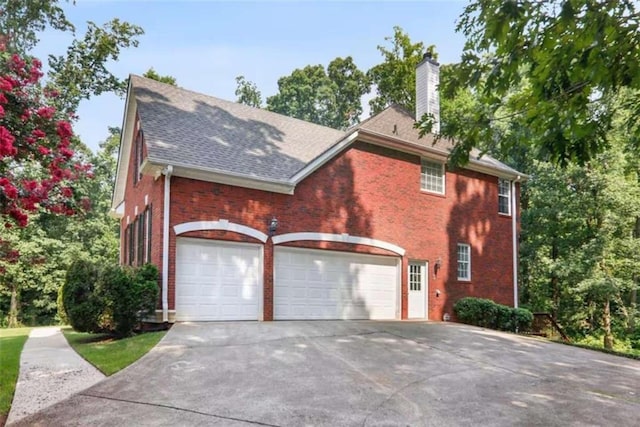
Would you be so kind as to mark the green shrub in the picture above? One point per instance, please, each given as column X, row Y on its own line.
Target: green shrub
column 523, row 319
column 81, row 301
column 130, row 294
column 108, row 299
column 476, row 311
column 486, row 313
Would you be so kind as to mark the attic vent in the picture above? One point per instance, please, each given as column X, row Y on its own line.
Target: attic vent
column 395, row 129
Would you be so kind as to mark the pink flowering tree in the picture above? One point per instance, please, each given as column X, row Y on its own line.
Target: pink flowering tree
column 38, row 167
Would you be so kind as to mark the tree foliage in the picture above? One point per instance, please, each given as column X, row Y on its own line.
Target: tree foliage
column 395, row 77
column 580, row 246
column 328, row 97
column 38, row 255
column 21, row 21
column 153, row 75
column 44, row 170
column 248, row 93
column 573, row 56
column 37, row 163
column 82, row 72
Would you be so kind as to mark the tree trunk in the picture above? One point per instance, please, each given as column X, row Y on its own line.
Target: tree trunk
column 606, row 321
column 13, row 309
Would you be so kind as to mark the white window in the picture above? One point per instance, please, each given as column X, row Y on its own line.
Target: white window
column 504, row 196
column 432, row 176
column 464, row 262
column 415, row 277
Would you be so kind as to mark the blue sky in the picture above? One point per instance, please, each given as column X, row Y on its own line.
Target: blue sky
column 206, row 44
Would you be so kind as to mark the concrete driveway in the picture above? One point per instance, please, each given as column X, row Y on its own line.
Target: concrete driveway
column 357, row 373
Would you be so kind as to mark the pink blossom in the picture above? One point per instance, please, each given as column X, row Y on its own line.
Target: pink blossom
column 46, row 112
column 64, row 129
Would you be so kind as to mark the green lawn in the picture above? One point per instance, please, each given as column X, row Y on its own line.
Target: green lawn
column 11, row 343
column 108, row 354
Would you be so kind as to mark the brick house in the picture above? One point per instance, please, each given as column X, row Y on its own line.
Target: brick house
column 251, row 215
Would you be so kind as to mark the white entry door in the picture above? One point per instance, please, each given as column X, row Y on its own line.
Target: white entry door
column 417, row 290
column 320, row 284
column 217, row 280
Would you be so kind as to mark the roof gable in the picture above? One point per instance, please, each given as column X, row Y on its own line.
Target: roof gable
column 200, row 131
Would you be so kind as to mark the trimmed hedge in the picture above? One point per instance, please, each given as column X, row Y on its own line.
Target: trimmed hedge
column 486, row 313
column 108, row 299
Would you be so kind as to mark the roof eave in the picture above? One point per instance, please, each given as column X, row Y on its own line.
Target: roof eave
column 154, row 166
column 409, row 147
column 124, row 150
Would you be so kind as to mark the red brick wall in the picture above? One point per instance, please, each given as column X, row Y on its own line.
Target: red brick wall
column 135, row 197
column 367, row 191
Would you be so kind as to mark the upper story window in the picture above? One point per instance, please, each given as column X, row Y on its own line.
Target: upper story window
column 432, row 176
column 464, row 261
column 504, row 196
column 138, row 154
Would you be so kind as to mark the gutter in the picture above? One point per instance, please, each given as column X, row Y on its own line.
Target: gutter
column 514, row 229
column 165, row 243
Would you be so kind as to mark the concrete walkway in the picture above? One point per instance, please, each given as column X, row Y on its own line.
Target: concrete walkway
column 50, row 371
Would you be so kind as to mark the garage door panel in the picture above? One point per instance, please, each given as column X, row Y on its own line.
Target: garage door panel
column 217, row 280
column 316, row 284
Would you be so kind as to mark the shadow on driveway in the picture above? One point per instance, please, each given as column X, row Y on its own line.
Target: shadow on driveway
column 344, row 373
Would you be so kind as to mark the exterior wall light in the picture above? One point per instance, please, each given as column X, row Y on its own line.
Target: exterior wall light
column 273, row 226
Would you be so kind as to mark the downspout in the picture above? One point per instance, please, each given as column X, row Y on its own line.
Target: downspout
column 514, row 233
column 165, row 243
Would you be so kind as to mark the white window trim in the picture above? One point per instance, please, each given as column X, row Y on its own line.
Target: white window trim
column 508, row 196
column 444, row 176
column 468, row 277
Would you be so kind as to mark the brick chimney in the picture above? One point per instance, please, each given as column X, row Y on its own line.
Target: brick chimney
column 427, row 97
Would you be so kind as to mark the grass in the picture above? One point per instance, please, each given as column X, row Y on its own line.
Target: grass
column 621, row 347
column 11, row 343
column 110, row 355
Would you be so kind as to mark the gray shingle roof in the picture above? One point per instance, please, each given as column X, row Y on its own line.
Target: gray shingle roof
column 193, row 130
column 396, row 122
column 200, row 131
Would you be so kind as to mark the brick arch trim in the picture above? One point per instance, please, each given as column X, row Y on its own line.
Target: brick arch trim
column 339, row 238
column 221, row 224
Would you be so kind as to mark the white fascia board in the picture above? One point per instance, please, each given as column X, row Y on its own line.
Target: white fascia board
column 402, row 145
column 211, row 175
column 476, row 166
column 338, row 238
column 323, row 158
column 118, row 211
column 124, row 152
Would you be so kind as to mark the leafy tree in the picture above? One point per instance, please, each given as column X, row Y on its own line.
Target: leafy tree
column 152, row 74
column 37, row 164
column 573, row 54
column 38, row 255
column 580, row 251
column 44, row 170
column 329, row 98
column 82, row 72
column 21, row 21
column 248, row 93
column 395, row 77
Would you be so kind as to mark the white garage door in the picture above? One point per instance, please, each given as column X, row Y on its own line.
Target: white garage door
column 217, row 280
column 316, row 284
